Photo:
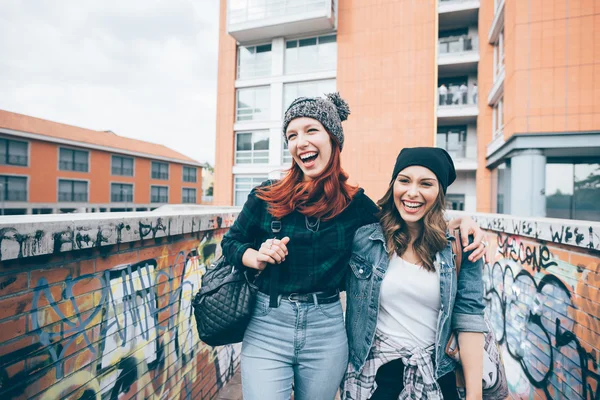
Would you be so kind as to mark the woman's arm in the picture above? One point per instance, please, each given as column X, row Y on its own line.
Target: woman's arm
column 468, row 321
column 471, row 357
column 242, row 235
column 468, row 227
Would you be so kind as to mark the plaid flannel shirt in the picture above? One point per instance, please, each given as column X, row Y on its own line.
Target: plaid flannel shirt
column 419, row 377
column 317, row 258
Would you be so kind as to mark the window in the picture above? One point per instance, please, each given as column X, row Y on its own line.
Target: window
column 243, row 186
column 455, row 91
column 254, row 61
column 121, row 192
column 70, row 190
column 499, row 55
column 498, row 118
column 73, row 160
column 453, row 139
column 13, row 188
column 13, row 152
column 292, row 91
column 287, row 157
column 572, row 191
column 189, row 174
column 455, row 202
column 252, row 147
column 455, row 41
column 311, row 54
column 188, row 196
column 160, row 170
column 253, row 104
column 159, row 194
column 122, row 166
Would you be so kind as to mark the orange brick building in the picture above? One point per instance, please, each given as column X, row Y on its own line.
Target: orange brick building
column 48, row 167
column 508, row 87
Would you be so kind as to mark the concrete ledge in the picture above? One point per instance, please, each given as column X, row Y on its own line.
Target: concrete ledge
column 582, row 234
column 35, row 235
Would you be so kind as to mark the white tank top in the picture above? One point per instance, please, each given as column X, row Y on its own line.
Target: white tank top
column 409, row 304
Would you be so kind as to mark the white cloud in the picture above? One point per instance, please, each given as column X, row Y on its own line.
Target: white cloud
column 145, row 69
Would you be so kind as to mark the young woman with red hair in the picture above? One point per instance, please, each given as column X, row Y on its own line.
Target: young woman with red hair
column 296, row 334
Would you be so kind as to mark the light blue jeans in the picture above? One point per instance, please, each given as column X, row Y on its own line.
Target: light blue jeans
column 303, row 343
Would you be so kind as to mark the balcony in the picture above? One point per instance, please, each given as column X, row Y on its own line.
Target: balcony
column 458, row 12
column 456, row 106
column 458, row 54
column 248, row 21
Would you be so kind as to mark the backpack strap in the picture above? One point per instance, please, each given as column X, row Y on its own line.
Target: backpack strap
column 457, row 250
column 274, row 283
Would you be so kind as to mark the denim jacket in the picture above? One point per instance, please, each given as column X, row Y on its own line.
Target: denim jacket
column 461, row 308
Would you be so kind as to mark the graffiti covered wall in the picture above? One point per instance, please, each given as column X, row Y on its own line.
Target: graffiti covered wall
column 542, row 288
column 111, row 321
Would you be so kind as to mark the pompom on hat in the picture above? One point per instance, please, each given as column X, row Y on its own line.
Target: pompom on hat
column 330, row 111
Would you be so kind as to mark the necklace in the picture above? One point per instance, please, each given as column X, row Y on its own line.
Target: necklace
column 312, row 226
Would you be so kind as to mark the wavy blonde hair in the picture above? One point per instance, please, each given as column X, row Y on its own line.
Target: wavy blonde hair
column 433, row 235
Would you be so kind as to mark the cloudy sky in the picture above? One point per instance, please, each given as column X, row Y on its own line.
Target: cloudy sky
column 144, row 69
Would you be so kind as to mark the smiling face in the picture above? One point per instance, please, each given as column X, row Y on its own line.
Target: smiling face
column 309, row 145
column 416, row 190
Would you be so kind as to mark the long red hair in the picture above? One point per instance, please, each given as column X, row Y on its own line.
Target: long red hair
column 324, row 197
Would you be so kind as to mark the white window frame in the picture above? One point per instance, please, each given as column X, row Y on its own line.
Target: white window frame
column 183, row 190
column 255, row 70
column 122, row 183
column 88, row 153
column 112, row 159
column 255, row 181
column 195, row 169
column 254, row 156
column 286, row 157
column 497, row 116
column 308, row 66
column 4, row 189
column 159, row 186
column 87, row 194
column 317, row 93
column 160, row 162
column 253, row 107
column 499, row 54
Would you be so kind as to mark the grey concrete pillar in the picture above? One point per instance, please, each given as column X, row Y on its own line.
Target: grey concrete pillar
column 528, row 183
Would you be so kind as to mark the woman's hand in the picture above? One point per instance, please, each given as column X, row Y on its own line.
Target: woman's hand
column 470, row 227
column 271, row 251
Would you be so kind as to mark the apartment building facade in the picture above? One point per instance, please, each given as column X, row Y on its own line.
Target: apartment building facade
column 415, row 73
column 48, row 167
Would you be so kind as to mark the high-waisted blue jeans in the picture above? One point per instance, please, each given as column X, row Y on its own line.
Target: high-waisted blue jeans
column 303, row 343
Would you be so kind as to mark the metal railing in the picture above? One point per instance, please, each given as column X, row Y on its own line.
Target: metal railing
column 121, row 197
column 456, row 97
column 73, row 166
column 122, row 171
column 456, row 44
column 14, row 160
column 72, row 197
column 160, row 175
column 159, row 199
column 252, row 157
column 272, row 8
column 15, row 195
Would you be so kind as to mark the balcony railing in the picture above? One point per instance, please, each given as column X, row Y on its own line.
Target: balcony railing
column 73, row 166
column 159, row 199
column 272, row 8
column 252, row 157
column 458, row 150
column 122, row 171
column 13, row 160
column 457, row 97
column 160, row 175
column 451, row 45
column 15, row 195
column 121, row 197
column 188, row 200
column 74, row 197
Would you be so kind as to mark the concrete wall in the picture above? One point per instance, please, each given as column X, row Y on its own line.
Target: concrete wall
column 99, row 308
column 542, row 289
